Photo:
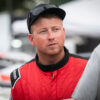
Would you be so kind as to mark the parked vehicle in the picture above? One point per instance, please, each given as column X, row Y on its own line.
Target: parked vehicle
column 10, row 61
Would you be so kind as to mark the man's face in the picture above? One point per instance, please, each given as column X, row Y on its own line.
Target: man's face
column 48, row 35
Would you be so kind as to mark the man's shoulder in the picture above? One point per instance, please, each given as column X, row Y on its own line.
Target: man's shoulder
column 23, row 67
column 16, row 74
column 79, row 60
column 33, row 60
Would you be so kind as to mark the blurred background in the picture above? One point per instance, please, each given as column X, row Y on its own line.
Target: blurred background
column 82, row 25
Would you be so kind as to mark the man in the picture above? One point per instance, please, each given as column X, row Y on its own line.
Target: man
column 54, row 73
column 88, row 87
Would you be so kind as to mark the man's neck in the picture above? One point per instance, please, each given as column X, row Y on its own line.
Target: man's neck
column 51, row 59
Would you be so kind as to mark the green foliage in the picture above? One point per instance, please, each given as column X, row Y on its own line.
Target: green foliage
column 21, row 7
column 2, row 5
column 59, row 2
column 16, row 4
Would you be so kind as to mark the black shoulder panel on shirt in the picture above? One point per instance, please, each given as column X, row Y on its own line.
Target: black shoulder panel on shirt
column 15, row 76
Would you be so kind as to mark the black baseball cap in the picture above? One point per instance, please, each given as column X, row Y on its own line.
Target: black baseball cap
column 41, row 9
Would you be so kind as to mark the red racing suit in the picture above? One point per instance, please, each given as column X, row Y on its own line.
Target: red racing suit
column 34, row 81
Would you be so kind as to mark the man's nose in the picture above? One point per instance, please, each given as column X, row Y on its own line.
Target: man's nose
column 51, row 35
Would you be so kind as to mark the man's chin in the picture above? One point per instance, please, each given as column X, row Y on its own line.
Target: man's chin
column 53, row 52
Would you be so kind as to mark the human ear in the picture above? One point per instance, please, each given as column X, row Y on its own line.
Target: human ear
column 64, row 31
column 31, row 39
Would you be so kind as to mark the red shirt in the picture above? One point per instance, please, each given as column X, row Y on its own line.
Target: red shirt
column 34, row 81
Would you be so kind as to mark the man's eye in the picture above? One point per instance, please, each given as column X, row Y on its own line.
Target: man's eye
column 43, row 31
column 55, row 29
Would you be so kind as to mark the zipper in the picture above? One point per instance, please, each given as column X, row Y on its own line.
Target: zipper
column 52, row 76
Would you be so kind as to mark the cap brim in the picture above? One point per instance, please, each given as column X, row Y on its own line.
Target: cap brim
column 57, row 11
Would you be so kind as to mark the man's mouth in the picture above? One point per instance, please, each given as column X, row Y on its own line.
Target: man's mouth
column 52, row 44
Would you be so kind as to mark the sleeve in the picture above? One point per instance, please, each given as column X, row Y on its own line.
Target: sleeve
column 88, row 87
column 16, row 89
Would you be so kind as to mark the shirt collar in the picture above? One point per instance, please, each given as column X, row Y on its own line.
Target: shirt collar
column 50, row 68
